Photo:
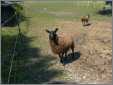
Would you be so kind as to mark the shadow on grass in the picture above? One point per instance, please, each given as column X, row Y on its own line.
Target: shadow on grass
column 29, row 66
column 88, row 24
column 105, row 12
column 71, row 58
column 62, row 82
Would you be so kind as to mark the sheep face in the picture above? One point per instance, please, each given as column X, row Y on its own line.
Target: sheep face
column 52, row 34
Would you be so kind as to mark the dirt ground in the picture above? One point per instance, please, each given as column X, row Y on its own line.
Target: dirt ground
column 94, row 44
column 93, row 51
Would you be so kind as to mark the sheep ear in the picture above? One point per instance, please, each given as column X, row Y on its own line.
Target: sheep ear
column 56, row 29
column 47, row 31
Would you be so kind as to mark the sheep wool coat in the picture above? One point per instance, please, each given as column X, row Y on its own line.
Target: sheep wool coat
column 65, row 41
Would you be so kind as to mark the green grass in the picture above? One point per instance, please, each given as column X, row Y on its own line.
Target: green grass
column 33, row 41
column 25, row 68
column 76, row 9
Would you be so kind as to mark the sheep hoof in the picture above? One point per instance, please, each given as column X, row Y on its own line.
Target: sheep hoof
column 73, row 54
column 61, row 60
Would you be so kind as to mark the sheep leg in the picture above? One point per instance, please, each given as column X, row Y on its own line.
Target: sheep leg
column 61, row 57
column 84, row 22
column 65, row 54
column 72, row 48
column 87, row 21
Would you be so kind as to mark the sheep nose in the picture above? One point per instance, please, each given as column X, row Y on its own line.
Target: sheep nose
column 51, row 38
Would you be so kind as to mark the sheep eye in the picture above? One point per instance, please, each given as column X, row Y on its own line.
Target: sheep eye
column 54, row 32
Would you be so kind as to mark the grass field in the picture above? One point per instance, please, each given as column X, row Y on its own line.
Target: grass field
column 35, row 63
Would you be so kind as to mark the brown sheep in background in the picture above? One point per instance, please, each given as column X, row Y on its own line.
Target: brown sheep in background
column 60, row 43
column 85, row 19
